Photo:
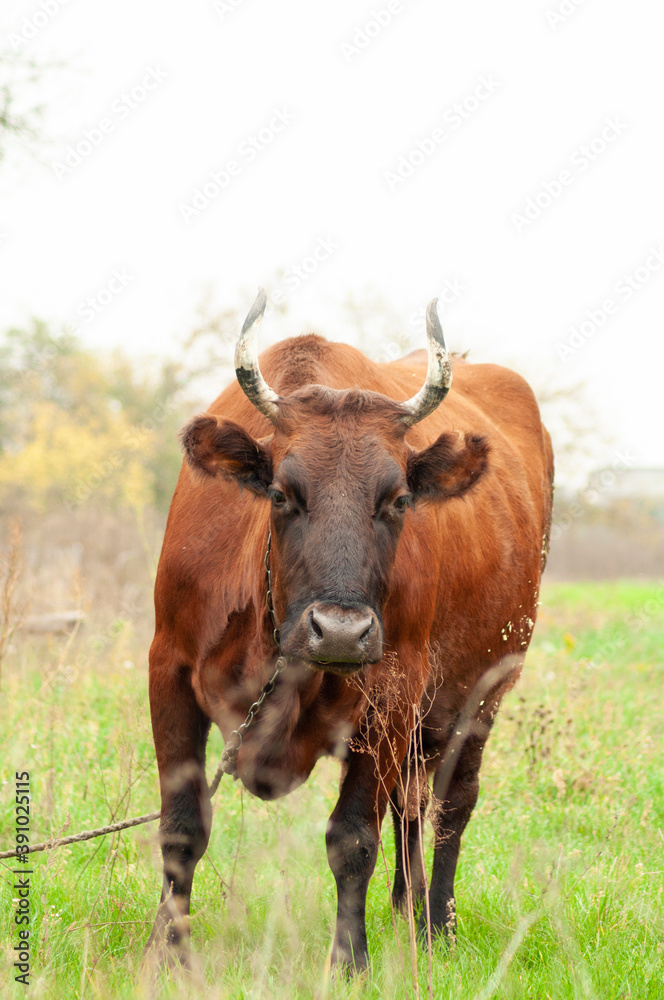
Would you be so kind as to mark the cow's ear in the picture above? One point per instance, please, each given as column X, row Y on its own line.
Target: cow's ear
column 213, row 446
column 447, row 468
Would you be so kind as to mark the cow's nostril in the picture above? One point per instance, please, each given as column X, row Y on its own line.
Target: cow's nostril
column 317, row 630
column 367, row 631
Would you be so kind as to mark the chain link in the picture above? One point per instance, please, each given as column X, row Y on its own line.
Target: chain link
column 228, row 762
column 268, row 689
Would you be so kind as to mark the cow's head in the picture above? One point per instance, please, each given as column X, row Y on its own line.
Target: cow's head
column 340, row 478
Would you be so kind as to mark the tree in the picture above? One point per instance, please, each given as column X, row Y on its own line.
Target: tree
column 77, row 427
column 20, row 113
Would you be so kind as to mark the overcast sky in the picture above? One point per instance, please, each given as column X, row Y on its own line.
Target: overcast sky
column 507, row 157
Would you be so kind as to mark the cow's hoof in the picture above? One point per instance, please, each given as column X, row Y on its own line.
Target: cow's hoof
column 440, row 934
column 158, row 956
column 167, row 948
column 400, row 902
column 347, row 965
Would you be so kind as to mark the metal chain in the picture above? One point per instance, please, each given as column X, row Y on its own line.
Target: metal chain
column 228, row 762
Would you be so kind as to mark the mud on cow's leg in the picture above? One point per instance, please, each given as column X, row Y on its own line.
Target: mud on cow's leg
column 180, row 731
column 454, row 800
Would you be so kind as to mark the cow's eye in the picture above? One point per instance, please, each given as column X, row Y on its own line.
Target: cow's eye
column 278, row 498
column 402, row 502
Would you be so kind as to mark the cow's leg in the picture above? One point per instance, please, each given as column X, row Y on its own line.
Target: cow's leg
column 409, row 801
column 455, row 794
column 180, row 731
column 408, row 848
column 352, row 839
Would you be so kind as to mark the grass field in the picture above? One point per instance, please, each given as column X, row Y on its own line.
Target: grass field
column 560, row 883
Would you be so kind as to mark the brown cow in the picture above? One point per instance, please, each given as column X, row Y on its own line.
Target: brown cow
column 407, row 544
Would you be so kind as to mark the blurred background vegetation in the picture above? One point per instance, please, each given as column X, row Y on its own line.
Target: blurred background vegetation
column 89, row 456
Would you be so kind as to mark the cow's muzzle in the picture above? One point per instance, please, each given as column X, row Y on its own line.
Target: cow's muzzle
column 337, row 638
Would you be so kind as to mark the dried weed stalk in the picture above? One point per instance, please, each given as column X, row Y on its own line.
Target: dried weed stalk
column 12, row 611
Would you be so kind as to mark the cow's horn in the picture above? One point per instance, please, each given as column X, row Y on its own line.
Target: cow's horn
column 439, row 372
column 247, row 370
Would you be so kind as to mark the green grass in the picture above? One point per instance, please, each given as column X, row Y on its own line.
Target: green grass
column 560, row 882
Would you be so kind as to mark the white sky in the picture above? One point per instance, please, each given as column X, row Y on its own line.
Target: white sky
column 354, row 114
